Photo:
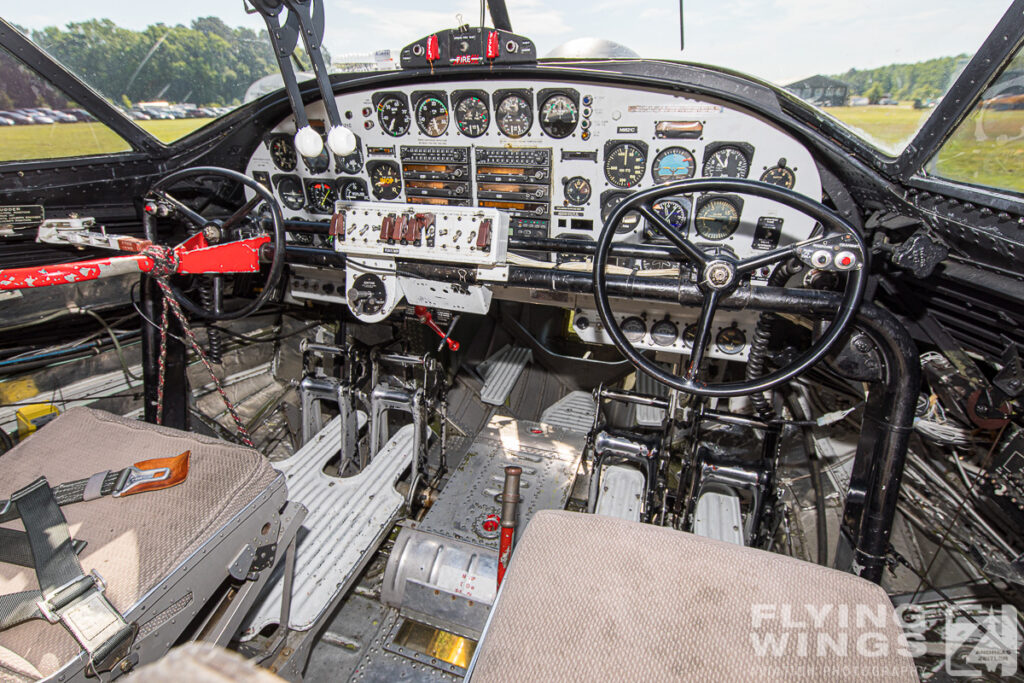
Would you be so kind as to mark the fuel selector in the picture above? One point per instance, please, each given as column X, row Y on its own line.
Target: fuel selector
column 367, row 295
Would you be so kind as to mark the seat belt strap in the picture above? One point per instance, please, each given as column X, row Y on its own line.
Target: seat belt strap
column 66, row 594
column 15, row 549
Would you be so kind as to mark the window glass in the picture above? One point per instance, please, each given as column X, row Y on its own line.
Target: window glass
column 38, row 121
column 987, row 148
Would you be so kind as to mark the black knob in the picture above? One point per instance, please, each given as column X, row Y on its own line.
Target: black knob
column 582, row 322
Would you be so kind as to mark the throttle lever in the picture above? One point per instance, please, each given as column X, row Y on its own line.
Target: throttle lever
column 424, row 317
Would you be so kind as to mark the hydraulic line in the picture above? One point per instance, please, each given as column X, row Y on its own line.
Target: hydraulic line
column 762, row 336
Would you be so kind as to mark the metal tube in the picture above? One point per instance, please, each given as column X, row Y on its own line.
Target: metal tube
column 509, row 510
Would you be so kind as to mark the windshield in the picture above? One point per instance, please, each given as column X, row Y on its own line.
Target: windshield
column 878, row 66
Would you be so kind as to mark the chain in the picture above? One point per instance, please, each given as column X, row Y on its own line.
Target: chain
column 165, row 264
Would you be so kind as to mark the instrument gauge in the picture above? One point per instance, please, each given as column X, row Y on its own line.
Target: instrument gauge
column 320, row 163
column 432, row 116
column 664, row 333
column 727, row 161
column 577, row 191
column 780, row 175
column 673, row 163
column 629, row 222
column 634, row 329
column 514, row 116
column 351, row 164
column 731, row 340
column 368, row 295
column 472, row 116
column 385, row 179
column 674, row 213
column 393, row 115
column 624, row 164
column 289, row 189
column 322, row 196
column 690, row 334
column 558, row 116
column 717, row 218
column 282, row 152
column 353, row 190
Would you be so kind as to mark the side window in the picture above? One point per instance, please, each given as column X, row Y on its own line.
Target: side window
column 987, row 148
column 38, row 121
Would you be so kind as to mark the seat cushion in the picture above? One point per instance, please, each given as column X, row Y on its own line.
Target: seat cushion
column 135, row 541
column 592, row 598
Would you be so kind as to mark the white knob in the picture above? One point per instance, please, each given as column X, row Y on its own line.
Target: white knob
column 342, row 141
column 308, row 142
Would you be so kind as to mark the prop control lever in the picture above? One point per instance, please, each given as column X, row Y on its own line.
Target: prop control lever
column 424, row 317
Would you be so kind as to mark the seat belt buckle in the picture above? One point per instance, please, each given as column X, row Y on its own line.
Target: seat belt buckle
column 132, row 478
column 152, row 475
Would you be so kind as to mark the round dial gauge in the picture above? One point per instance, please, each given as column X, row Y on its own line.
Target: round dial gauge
column 393, row 115
column 690, row 334
column 731, row 340
column 290, row 190
column 432, row 116
column 728, row 161
column 514, row 116
column 353, row 163
column 628, row 222
column 674, row 163
column 624, row 164
column 321, row 196
column 664, row 333
column 558, row 116
column 717, row 218
column 634, row 329
column 780, row 175
column 577, row 191
column 385, row 179
column 367, row 295
column 472, row 116
column 282, row 153
column 674, row 213
column 353, row 190
column 319, row 163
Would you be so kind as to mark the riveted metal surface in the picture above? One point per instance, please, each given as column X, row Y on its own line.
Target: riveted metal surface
column 501, row 371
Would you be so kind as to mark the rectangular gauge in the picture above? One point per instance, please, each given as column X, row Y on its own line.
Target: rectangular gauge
column 766, row 235
column 679, row 130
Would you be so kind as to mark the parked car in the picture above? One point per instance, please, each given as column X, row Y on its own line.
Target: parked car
column 17, row 117
column 4, row 121
column 80, row 114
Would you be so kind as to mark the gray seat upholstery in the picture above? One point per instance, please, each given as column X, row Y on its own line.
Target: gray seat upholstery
column 134, row 542
column 591, row 598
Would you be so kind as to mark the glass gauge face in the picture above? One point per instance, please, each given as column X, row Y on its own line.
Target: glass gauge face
column 514, row 116
column 393, row 116
column 290, row 190
column 634, row 329
column 353, row 190
column 353, row 163
column 674, row 163
column 780, row 175
column 674, row 213
column 577, row 191
column 729, row 162
column 731, row 340
column 319, row 163
column 472, row 116
column 690, row 334
column 558, row 116
column 664, row 333
column 716, row 219
column 624, row 164
column 385, row 179
column 282, row 153
column 321, row 196
column 628, row 222
column 432, row 116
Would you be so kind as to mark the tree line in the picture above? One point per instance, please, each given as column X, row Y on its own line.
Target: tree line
column 922, row 81
column 206, row 63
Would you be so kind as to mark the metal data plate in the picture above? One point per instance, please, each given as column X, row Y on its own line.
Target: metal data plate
column 549, row 457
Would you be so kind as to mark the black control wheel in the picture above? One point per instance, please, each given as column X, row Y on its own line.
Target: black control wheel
column 222, row 231
column 840, row 248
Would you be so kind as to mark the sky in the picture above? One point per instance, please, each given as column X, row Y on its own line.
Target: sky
column 778, row 40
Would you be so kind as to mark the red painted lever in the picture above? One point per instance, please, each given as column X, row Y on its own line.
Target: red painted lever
column 424, row 316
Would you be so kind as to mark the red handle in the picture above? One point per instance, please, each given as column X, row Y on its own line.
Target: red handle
column 424, row 315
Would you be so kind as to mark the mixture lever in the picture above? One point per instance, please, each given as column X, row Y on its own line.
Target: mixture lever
column 424, row 317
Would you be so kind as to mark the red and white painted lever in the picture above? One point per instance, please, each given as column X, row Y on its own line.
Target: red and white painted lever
column 424, row 317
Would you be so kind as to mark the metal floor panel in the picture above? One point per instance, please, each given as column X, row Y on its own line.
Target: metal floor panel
column 574, row 412
column 347, row 520
column 549, row 457
column 501, row 371
column 650, row 416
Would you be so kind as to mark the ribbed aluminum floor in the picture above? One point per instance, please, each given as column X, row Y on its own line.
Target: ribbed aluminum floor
column 574, row 411
column 650, row 416
column 348, row 518
column 501, row 371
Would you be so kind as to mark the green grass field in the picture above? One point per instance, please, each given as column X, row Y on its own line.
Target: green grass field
column 57, row 140
column 889, row 128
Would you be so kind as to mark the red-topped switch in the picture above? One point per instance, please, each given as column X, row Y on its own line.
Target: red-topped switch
column 386, row 226
column 432, row 50
column 398, row 228
column 483, row 235
column 492, row 45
